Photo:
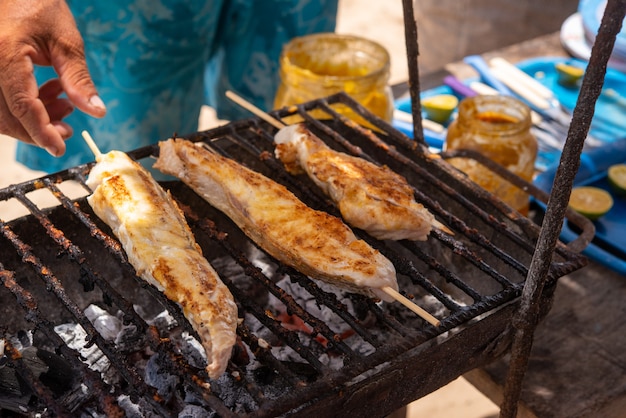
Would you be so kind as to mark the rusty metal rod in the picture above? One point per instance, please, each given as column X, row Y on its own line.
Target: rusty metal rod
column 412, row 51
column 527, row 317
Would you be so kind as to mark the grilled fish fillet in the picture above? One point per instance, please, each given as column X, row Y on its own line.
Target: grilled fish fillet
column 162, row 249
column 369, row 197
column 313, row 242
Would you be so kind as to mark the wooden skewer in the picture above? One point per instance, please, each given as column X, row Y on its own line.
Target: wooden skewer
column 411, row 305
column 92, row 145
column 254, row 110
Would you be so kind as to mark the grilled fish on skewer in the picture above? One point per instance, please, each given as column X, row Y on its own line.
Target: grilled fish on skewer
column 313, row 242
column 162, row 249
column 369, row 197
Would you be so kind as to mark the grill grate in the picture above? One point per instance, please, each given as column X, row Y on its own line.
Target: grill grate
column 56, row 262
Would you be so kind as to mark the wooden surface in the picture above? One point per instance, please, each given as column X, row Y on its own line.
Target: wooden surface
column 577, row 366
column 578, row 363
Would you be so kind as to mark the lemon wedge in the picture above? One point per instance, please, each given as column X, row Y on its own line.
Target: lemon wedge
column 591, row 202
column 617, row 178
column 568, row 75
column 439, row 108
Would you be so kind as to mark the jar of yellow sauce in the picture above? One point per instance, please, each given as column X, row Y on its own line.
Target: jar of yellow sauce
column 319, row 65
column 497, row 127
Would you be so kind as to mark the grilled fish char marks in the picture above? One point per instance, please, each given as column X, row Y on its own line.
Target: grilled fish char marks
column 162, row 249
column 370, row 197
column 313, row 242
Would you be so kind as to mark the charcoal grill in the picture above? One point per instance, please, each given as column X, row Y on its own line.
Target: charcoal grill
column 303, row 348
column 354, row 355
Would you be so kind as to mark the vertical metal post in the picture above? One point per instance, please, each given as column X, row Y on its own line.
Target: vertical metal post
column 526, row 318
column 412, row 51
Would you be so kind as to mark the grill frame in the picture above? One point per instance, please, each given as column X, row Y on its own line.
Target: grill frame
column 477, row 335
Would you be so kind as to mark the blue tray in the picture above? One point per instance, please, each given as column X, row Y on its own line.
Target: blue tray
column 609, row 126
column 609, row 244
column 609, row 121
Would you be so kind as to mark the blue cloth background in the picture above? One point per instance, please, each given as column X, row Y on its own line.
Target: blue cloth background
column 155, row 62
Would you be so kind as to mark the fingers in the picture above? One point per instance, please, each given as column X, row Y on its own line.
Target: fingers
column 31, row 119
column 42, row 33
column 68, row 59
column 57, row 108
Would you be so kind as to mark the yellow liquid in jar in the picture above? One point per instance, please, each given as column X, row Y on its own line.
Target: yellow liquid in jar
column 317, row 66
column 500, row 135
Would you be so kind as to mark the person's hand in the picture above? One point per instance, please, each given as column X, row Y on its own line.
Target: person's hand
column 42, row 32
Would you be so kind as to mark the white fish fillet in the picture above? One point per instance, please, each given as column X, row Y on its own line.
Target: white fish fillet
column 162, row 249
column 369, row 197
column 313, row 242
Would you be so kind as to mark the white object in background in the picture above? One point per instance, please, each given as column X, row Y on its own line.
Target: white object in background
column 523, row 78
column 482, row 88
column 426, row 123
column 520, row 89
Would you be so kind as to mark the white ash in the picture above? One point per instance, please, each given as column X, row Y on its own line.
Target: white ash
column 76, row 338
column 136, row 410
column 164, row 321
column 107, row 325
column 194, row 411
column 22, row 341
column 193, row 351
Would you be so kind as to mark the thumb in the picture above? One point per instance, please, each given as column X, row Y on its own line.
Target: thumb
column 74, row 76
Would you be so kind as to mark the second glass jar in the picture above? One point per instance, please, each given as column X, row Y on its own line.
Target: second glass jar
column 498, row 127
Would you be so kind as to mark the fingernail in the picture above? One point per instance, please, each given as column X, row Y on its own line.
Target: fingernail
column 52, row 150
column 96, row 101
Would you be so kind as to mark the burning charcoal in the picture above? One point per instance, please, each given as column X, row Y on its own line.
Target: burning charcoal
column 158, row 377
column 252, row 288
column 76, row 338
column 133, row 410
column 192, row 350
column 22, row 340
column 164, row 321
column 106, row 324
column 58, row 376
column 193, row 411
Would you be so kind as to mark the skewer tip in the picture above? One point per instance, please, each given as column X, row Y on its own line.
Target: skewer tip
column 411, row 305
column 254, row 110
column 92, row 145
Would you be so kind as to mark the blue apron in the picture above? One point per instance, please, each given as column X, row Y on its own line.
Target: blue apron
column 156, row 62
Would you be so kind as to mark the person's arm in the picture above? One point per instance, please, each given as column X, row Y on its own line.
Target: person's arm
column 42, row 32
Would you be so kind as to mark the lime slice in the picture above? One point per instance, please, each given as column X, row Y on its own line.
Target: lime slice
column 439, row 108
column 617, row 178
column 591, row 202
column 568, row 75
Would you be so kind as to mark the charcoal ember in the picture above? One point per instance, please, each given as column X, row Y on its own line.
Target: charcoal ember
column 194, row 411
column 106, row 324
column 141, row 409
column 157, row 376
column 76, row 338
column 252, row 289
column 193, row 351
column 234, row 394
column 164, row 321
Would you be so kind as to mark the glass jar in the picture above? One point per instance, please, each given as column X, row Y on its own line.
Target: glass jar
column 498, row 127
column 320, row 65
